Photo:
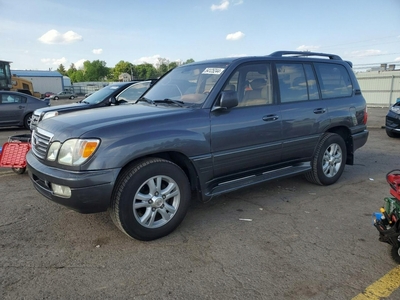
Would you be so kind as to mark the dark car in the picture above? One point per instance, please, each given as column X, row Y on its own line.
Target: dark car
column 113, row 94
column 16, row 108
column 205, row 129
column 393, row 121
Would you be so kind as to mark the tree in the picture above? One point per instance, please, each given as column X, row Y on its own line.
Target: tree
column 172, row 65
column 146, row 71
column 62, row 70
column 122, row 67
column 95, row 70
column 188, row 61
column 76, row 76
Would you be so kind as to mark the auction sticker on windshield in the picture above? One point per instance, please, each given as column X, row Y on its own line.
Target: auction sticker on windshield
column 215, row 71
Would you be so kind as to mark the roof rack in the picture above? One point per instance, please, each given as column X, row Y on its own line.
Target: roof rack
column 303, row 54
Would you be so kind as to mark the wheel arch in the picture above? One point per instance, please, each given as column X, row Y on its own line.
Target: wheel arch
column 177, row 158
column 345, row 133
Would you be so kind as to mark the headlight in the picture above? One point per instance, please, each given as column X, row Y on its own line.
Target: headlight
column 72, row 152
column 53, row 151
column 395, row 109
column 50, row 114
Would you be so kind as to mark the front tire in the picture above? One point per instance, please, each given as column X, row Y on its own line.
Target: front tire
column 150, row 199
column 72, row 97
column 329, row 160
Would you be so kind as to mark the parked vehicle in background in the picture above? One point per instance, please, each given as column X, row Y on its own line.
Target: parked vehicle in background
column 48, row 94
column 392, row 125
column 63, row 95
column 113, row 94
column 16, row 108
column 205, row 128
column 23, row 85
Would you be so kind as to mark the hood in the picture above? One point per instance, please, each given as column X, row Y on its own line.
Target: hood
column 77, row 123
column 63, row 107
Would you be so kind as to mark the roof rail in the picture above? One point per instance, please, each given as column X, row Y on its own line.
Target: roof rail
column 304, row 53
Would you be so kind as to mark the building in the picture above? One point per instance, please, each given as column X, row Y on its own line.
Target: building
column 43, row 81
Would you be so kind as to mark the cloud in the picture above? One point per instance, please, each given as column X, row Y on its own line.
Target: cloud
column 223, row 6
column 97, row 51
column 307, row 48
column 397, row 59
column 55, row 37
column 366, row 53
column 54, row 61
column 79, row 64
column 148, row 59
column 238, row 2
column 235, row 36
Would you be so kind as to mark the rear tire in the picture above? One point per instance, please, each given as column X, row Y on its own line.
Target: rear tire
column 19, row 170
column 72, row 97
column 395, row 252
column 27, row 121
column 329, row 160
column 150, row 199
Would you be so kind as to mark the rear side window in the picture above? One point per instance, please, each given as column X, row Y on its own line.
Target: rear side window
column 296, row 82
column 334, row 80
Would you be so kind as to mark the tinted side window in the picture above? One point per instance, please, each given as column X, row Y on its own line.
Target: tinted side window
column 334, row 80
column 292, row 82
column 7, row 98
column 253, row 83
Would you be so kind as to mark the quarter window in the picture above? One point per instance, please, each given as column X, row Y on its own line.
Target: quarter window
column 334, row 80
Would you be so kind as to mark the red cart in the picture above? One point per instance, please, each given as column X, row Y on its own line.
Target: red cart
column 13, row 153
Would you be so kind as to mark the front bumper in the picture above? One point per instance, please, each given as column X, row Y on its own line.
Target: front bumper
column 392, row 122
column 90, row 190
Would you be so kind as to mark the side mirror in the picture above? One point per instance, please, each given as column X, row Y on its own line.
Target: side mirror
column 112, row 101
column 228, row 99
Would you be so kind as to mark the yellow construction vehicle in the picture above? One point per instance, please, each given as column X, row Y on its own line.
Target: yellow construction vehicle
column 23, row 86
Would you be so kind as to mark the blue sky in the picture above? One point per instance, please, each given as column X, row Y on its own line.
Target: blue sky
column 42, row 34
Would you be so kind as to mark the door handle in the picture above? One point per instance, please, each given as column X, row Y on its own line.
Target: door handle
column 319, row 111
column 21, row 107
column 268, row 118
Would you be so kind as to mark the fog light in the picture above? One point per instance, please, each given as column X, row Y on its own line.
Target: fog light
column 61, row 190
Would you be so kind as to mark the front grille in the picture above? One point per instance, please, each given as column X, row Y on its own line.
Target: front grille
column 40, row 142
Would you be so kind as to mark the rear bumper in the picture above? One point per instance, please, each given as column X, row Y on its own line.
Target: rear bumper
column 360, row 139
column 90, row 190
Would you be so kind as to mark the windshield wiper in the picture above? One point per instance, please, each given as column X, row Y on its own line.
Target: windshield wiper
column 170, row 101
column 145, row 100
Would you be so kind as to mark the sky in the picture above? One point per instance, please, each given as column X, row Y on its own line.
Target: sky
column 42, row 34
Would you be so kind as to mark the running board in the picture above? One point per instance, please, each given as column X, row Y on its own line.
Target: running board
column 229, row 186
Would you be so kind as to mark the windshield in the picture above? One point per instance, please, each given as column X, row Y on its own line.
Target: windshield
column 133, row 92
column 189, row 84
column 128, row 93
column 102, row 94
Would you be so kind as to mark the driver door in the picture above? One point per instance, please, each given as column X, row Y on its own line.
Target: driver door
column 250, row 135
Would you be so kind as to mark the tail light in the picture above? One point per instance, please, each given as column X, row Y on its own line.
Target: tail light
column 365, row 119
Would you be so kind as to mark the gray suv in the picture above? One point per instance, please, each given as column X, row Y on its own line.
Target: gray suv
column 205, row 128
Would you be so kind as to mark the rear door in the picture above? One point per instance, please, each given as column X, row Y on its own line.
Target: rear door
column 12, row 108
column 249, row 135
column 305, row 115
